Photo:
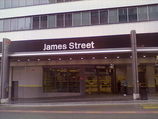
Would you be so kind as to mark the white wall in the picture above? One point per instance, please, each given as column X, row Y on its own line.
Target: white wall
column 84, row 31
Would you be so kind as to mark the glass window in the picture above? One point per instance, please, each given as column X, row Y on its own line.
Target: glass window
column 52, row 1
column 113, row 16
column 68, row 0
column 21, row 23
column 103, row 17
column 142, row 12
column 61, row 80
column 60, row 20
column 60, row 0
column 1, row 4
column 85, row 18
column 28, row 23
column 123, row 15
column 7, row 3
column 22, row 2
column 14, row 24
column 68, row 19
column 94, row 17
column 44, row 1
column 14, row 3
column 43, row 22
column 36, row 22
column 6, row 26
column 153, row 12
column 76, row 19
column 1, row 25
column 36, row 2
column 132, row 14
column 29, row 2
column 51, row 21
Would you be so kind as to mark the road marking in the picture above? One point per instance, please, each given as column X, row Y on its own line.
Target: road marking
column 80, row 112
column 150, row 106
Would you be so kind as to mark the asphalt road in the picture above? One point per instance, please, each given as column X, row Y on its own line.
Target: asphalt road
column 104, row 111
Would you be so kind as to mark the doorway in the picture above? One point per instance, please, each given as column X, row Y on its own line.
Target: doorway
column 99, row 80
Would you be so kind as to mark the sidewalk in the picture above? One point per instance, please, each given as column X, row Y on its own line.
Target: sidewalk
column 83, row 100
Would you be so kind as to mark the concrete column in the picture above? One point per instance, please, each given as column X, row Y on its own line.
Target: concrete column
column 150, row 74
column 5, row 71
column 134, row 65
column 82, row 80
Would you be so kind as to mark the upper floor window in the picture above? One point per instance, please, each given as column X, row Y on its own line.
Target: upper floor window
column 60, row 20
column 36, row 22
column 1, row 4
column 94, row 17
column 123, row 15
column 85, row 18
column 51, row 21
column 153, row 12
column 142, row 13
column 132, row 14
column 1, row 25
column 113, row 16
column 103, row 16
column 68, row 19
column 76, row 19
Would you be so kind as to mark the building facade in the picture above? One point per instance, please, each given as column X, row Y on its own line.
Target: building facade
column 78, row 47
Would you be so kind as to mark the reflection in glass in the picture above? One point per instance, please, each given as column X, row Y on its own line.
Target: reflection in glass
column 113, row 16
column 51, row 21
column 1, row 4
column 132, row 14
column 153, row 12
column 76, row 19
column 103, row 17
column 123, row 15
column 85, row 18
column 14, row 3
column 7, row 3
column 14, row 24
column 60, row 0
column 29, row 2
column 36, row 22
column 22, row 2
column 142, row 12
column 68, row 19
column 60, row 20
column 94, row 17
column 6, row 25
column 36, row 2
column 43, row 22
column 44, row 1
column 21, row 23
column 28, row 23
column 1, row 25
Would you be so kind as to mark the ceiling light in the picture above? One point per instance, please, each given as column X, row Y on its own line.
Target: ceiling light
column 118, row 57
column 18, row 60
column 70, row 58
column 82, row 58
column 144, row 56
column 38, row 59
column 28, row 60
column 93, row 57
column 105, row 57
column 49, row 59
column 59, row 58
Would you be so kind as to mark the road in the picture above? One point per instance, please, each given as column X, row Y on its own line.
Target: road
column 102, row 111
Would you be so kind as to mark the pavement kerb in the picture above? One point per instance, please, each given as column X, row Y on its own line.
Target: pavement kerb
column 84, row 103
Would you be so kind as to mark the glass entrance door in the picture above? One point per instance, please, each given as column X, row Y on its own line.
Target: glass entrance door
column 98, row 81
